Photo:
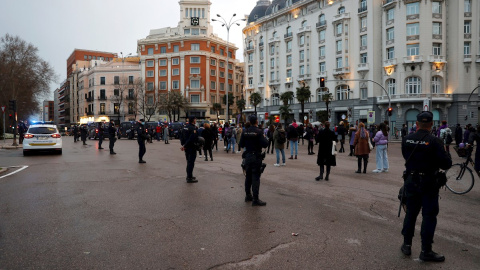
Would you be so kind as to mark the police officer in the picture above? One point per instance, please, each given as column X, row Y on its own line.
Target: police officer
column 141, row 137
column 425, row 155
column 111, row 136
column 189, row 136
column 83, row 134
column 254, row 141
column 75, row 133
column 100, row 135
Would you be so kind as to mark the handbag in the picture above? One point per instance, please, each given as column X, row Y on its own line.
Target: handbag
column 334, row 148
column 370, row 144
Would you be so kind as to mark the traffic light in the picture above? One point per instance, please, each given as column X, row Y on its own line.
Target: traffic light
column 10, row 117
column 322, row 82
column 12, row 105
column 390, row 111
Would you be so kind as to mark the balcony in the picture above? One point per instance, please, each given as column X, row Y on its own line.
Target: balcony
column 478, row 58
column 102, row 98
column 436, row 15
column 342, row 16
column 261, row 84
column 101, row 113
column 274, row 82
column 363, row 67
column 390, row 62
column 467, row 58
column 437, row 97
column 437, row 59
column 304, row 77
column 250, row 48
column 260, row 44
column 304, row 29
column 413, row 17
column 289, row 80
column 413, row 37
column 249, row 87
column 90, row 99
column 90, row 114
column 288, row 36
column 321, row 24
column 467, row 36
column 412, row 59
column 362, row 9
column 341, row 71
column 274, row 39
column 321, row 74
column 387, row 3
column 467, row 14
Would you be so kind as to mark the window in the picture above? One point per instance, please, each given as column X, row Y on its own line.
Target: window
column 341, row 10
column 321, row 35
column 250, row 57
column 131, row 93
column 194, row 99
column 85, row 57
column 150, row 86
column 391, row 14
column 363, row 22
column 150, row 51
column 272, row 49
column 302, row 40
column 412, row 29
column 213, row 85
column 289, row 73
column 321, row 51
column 222, row 64
column 222, row 74
column 391, row 33
column 437, row 49
column 321, row 19
column 363, row 40
column 163, row 72
column 339, row 46
column 437, row 28
column 175, row 85
column 272, row 75
column 272, row 63
column 194, row 84
column 175, row 72
column 289, row 46
column 391, row 86
column 195, row 47
column 194, row 70
column 212, row 49
column 262, row 66
column 163, row 49
column 302, row 70
column 339, row 62
column 116, row 92
column 302, row 55
column 289, row 31
column 116, row 108
column 194, row 60
column 466, row 48
column 467, row 27
column 413, row 8
column 102, row 80
column 116, row 80
column 391, row 53
column 250, row 69
column 339, row 29
column 322, row 66
column 186, row 31
column 163, row 85
column 363, row 93
column 150, row 100
column 149, row 73
column 343, row 92
column 230, row 54
column 213, row 62
column 289, row 60
column 437, row 7
column 222, row 51
column 363, row 58
column 413, row 85
column 195, row 32
column 436, row 85
column 176, row 48
column 175, row 61
column 102, row 108
column 213, row 72
column 222, row 86
column 412, row 49
column 150, row 63
column 163, row 62
column 468, row 5
column 262, row 79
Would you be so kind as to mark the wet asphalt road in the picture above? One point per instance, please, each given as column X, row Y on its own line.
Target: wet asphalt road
column 87, row 209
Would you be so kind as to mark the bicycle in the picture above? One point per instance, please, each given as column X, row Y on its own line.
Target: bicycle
column 460, row 179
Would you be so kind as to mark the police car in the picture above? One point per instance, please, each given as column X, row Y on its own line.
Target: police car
column 42, row 137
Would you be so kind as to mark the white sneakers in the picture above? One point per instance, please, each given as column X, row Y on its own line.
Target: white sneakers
column 379, row 171
column 283, row 164
column 276, row 165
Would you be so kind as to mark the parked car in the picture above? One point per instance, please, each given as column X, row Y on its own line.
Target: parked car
column 124, row 130
column 174, row 129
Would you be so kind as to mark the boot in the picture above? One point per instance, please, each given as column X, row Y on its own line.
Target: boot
column 431, row 256
column 295, row 156
column 320, row 177
column 328, row 173
column 365, row 166
column 359, row 166
column 406, row 249
column 258, row 202
column 142, row 161
column 248, row 198
column 291, row 157
column 206, row 159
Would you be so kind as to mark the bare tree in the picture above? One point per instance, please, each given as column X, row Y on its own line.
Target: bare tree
column 148, row 104
column 120, row 95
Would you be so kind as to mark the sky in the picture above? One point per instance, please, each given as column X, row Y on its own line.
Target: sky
column 57, row 27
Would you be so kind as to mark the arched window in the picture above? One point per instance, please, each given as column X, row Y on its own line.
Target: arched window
column 437, row 85
column 274, row 34
column 289, row 30
column 288, row 3
column 321, row 18
column 261, row 39
column 413, row 85
column 275, row 99
column 341, row 10
column 343, row 92
column 363, row 4
column 391, row 86
column 250, row 44
column 304, row 23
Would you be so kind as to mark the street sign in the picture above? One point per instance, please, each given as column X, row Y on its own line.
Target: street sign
column 3, row 109
column 371, row 117
column 426, row 105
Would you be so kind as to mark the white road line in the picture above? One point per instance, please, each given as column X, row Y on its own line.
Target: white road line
column 19, row 170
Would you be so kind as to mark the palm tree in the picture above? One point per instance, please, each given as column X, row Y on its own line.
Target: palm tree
column 255, row 99
column 217, row 107
column 286, row 97
column 285, row 112
column 241, row 106
column 303, row 95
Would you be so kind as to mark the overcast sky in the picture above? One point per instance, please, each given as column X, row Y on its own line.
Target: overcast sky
column 57, row 27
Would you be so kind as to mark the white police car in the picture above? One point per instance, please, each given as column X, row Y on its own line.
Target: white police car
column 42, row 137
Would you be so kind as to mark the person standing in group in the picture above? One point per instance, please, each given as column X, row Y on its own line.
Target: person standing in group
column 458, row 135
column 292, row 134
column 207, row 135
column 254, row 141
column 83, row 134
column 425, row 155
column 310, row 136
column 381, row 141
column 215, row 136
column 351, row 134
column 158, row 132
column 233, row 139
column 341, row 132
column 111, row 136
column 446, row 136
column 166, row 132
column 142, row 136
column 404, row 130
column 239, row 135
column 279, row 139
column 466, row 134
column 199, row 134
column 75, row 133
column 300, row 131
column 100, row 135
column 270, row 132
column 362, row 148
column 325, row 157
column 189, row 137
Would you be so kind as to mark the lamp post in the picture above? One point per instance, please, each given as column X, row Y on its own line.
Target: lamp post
column 228, row 25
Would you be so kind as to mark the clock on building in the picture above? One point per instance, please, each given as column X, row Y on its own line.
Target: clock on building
column 195, row 21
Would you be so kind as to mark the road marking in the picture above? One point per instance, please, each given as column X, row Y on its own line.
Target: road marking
column 19, row 170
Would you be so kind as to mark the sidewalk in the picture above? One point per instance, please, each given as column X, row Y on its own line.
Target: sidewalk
column 8, row 144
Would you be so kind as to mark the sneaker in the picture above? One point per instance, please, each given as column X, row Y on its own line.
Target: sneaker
column 283, row 164
column 385, row 170
column 377, row 171
column 430, row 256
column 276, row 165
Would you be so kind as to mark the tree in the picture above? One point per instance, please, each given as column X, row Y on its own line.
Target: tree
column 217, row 107
column 303, row 95
column 231, row 101
column 120, row 95
column 138, row 86
column 24, row 76
column 285, row 112
column 286, row 97
column 255, row 99
column 241, row 106
column 148, row 104
column 178, row 102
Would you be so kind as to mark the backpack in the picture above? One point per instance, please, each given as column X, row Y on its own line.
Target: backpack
column 282, row 138
column 229, row 132
column 449, row 139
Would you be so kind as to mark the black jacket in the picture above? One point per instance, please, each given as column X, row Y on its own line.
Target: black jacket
column 292, row 132
column 253, row 140
column 111, row 130
column 189, row 136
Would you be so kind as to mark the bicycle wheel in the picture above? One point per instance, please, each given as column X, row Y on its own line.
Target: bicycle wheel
column 459, row 181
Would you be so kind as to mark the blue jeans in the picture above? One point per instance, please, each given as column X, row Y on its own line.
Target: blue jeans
column 232, row 143
column 278, row 151
column 293, row 144
column 382, row 157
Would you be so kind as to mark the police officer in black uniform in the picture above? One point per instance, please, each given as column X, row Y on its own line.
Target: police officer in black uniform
column 112, row 136
column 254, row 141
column 425, row 155
column 75, row 133
column 189, row 137
column 100, row 135
column 141, row 137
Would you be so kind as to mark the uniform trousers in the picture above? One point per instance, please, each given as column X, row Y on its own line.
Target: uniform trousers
column 141, row 149
column 111, row 144
column 100, row 140
column 252, row 178
column 190, row 155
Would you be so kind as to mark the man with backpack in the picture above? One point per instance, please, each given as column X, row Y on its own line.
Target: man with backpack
column 279, row 139
column 292, row 135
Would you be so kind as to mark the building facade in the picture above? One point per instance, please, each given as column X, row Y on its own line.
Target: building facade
column 372, row 53
column 48, row 110
column 192, row 60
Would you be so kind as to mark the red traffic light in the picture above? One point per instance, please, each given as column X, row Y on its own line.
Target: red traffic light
column 322, row 82
column 390, row 111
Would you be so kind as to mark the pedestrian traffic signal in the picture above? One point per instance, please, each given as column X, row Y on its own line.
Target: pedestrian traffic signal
column 12, row 105
column 390, row 111
column 322, row 82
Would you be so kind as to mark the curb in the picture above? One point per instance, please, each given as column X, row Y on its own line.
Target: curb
column 3, row 170
column 10, row 147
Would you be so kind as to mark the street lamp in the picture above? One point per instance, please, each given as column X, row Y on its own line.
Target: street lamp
column 228, row 25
